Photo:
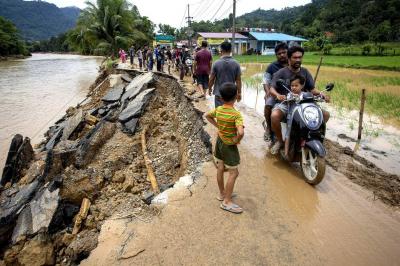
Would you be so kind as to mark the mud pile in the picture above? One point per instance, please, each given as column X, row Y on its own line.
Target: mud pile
column 383, row 185
column 91, row 167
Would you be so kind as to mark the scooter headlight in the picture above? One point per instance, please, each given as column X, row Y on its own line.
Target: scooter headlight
column 311, row 115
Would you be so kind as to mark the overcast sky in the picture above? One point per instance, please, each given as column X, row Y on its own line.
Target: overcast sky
column 172, row 12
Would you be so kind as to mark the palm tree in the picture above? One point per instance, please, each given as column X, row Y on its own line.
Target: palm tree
column 107, row 25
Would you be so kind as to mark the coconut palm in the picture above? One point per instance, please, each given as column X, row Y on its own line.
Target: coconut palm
column 107, row 25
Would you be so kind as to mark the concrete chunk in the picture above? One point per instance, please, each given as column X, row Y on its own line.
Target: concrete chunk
column 136, row 106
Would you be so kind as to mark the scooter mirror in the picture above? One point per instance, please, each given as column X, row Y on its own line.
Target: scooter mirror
column 280, row 82
column 330, row 87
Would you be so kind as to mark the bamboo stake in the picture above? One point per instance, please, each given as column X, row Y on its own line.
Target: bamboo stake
column 150, row 172
column 81, row 216
column 360, row 120
column 319, row 66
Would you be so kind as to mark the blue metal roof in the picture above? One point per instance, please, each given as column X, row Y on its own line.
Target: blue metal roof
column 273, row 36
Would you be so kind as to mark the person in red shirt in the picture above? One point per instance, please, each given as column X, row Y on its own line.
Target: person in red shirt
column 202, row 67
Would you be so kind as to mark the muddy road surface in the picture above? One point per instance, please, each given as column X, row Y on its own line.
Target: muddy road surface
column 285, row 222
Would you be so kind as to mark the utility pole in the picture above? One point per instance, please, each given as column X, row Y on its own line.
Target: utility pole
column 189, row 30
column 233, row 27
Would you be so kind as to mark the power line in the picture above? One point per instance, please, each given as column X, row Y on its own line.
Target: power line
column 225, row 12
column 223, row 2
column 184, row 15
column 204, row 13
column 199, row 9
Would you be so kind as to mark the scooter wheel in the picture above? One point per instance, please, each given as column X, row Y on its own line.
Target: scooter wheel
column 312, row 167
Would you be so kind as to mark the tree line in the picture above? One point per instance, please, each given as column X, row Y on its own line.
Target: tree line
column 10, row 41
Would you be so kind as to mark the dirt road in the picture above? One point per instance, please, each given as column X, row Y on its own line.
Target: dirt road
column 286, row 221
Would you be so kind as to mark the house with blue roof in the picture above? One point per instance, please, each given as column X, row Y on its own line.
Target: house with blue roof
column 265, row 42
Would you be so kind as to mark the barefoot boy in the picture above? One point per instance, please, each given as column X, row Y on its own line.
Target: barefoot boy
column 229, row 122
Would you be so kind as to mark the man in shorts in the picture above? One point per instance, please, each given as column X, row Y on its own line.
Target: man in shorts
column 281, row 62
column 202, row 68
column 280, row 110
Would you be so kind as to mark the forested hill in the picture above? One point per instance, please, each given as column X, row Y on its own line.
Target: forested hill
column 348, row 20
column 38, row 20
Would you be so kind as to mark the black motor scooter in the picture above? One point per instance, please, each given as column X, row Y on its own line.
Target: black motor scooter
column 303, row 132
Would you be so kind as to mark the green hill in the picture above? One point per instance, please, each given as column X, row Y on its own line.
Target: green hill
column 346, row 21
column 38, row 20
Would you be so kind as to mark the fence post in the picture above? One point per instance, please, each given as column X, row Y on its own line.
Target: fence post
column 360, row 121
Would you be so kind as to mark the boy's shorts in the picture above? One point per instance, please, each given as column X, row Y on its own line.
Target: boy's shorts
column 226, row 154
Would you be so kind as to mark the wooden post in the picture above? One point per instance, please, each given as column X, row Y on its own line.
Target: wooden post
column 319, row 66
column 360, row 121
column 81, row 216
column 147, row 161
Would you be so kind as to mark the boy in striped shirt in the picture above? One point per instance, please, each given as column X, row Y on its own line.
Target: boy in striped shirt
column 229, row 122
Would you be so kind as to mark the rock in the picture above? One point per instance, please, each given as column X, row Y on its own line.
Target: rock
column 148, row 197
column 18, row 158
column 38, row 251
column 71, row 124
column 71, row 111
column 137, row 85
column 93, row 141
column 114, row 95
column 36, row 169
column 102, row 111
column 54, row 139
column 130, row 126
column 37, row 215
column 11, row 255
column 81, row 246
column 129, row 183
column 91, row 120
column 136, row 106
column 77, row 187
column 119, row 177
column 10, row 206
column 126, row 77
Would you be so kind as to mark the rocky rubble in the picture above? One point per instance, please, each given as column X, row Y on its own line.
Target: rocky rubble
column 93, row 154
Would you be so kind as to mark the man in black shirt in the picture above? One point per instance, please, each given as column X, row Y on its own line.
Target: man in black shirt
column 281, row 61
column 295, row 55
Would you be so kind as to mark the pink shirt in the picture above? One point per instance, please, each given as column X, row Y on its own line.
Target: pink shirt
column 203, row 59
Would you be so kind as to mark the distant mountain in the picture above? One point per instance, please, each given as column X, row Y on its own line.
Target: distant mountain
column 37, row 20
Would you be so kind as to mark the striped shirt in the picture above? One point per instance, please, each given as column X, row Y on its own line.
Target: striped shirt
column 228, row 119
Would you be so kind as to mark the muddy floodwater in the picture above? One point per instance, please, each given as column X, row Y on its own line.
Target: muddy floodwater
column 35, row 92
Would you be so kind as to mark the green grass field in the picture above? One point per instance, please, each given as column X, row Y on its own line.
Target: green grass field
column 359, row 62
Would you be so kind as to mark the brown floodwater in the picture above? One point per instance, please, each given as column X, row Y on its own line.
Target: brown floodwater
column 35, row 92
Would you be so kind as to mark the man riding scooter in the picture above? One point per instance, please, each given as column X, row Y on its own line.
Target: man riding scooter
column 280, row 110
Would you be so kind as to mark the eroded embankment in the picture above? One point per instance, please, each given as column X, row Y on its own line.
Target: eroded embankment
column 383, row 185
column 91, row 167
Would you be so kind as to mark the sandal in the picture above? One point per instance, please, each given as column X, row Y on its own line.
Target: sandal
column 234, row 195
column 233, row 208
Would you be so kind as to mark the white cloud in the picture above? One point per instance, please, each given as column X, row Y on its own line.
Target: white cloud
column 173, row 12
